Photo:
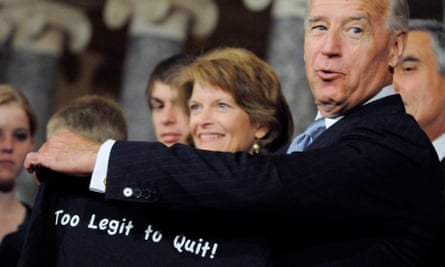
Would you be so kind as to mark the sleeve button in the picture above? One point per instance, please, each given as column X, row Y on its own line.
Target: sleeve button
column 128, row 192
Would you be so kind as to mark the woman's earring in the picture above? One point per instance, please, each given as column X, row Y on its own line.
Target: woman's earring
column 256, row 148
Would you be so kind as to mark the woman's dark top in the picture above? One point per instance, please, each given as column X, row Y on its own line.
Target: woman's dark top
column 11, row 245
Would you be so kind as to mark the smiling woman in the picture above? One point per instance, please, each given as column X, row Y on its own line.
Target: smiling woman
column 17, row 128
column 235, row 103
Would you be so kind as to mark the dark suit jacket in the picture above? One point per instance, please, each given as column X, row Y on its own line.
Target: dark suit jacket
column 367, row 193
column 438, row 256
column 72, row 226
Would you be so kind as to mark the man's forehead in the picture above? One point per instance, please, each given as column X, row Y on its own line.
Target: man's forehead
column 378, row 6
column 372, row 12
column 418, row 46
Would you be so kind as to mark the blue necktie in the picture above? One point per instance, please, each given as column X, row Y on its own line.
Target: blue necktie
column 304, row 139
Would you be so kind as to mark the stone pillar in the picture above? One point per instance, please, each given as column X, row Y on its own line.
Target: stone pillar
column 157, row 30
column 443, row 13
column 36, row 43
column 285, row 54
column 257, row 5
column 5, row 33
column 4, row 59
column 286, row 49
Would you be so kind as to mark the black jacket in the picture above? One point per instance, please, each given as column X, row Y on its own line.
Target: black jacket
column 366, row 193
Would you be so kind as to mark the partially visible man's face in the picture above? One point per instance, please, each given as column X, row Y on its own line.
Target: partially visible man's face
column 169, row 118
column 347, row 52
column 419, row 82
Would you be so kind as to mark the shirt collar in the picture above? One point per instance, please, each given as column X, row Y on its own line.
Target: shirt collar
column 386, row 91
column 439, row 145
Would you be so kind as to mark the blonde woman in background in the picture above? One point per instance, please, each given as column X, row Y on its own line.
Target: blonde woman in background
column 18, row 123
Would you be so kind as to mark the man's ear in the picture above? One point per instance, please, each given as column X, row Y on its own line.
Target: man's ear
column 397, row 48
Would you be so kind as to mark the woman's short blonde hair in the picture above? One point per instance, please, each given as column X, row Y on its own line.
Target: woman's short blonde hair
column 9, row 94
column 253, row 84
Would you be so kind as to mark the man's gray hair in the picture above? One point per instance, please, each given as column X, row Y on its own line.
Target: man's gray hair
column 436, row 30
column 398, row 15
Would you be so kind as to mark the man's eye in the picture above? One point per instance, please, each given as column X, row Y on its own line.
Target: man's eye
column 319, row 28
column 408, row 68
column 356, row 30
column 156, row 105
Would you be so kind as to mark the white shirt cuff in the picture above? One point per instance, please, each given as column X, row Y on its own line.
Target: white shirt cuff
column 99, row 175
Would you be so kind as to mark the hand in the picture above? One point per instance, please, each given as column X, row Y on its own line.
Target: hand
column 65, row 152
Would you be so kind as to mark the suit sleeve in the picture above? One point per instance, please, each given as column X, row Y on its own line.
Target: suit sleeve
column 367, row 173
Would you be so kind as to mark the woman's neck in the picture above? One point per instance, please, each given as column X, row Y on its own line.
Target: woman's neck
column 12, row 213
column 8, row 201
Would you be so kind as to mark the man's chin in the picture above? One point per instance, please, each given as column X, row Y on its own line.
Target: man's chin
column 328, row 109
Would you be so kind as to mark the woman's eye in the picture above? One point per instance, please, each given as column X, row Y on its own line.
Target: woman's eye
column 157, row 106
column 223, row 105
column 21, row 136
column 193, row 107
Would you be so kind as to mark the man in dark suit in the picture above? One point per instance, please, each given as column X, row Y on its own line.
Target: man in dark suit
column 365, row 193
column 420, row 80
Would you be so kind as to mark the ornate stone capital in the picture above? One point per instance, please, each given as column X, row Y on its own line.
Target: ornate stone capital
column 204, row 15
column 280, row 8
column 43, row 25
column 165, row 18
column 119, row 12
column 257, row 5
column 289, row 8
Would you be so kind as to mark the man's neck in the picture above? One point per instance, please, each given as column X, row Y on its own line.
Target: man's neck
column 7, row 201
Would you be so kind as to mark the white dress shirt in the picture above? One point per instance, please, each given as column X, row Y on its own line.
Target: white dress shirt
column 439, row 145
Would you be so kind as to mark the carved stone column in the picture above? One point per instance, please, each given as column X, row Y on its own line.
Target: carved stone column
column 443, row 11
column 286, row 47
column 157, row 30
column 36, row 31
column 285, row 54
column 4, row 59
